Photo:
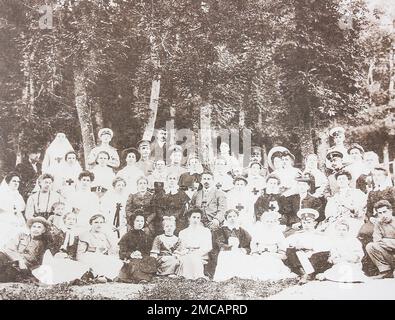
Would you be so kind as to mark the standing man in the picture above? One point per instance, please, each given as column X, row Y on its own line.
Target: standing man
column 29, row 170
column 159, row 146
column 382, row 249
column 145, row 164
column 105, row 137
column 212, row 202
column 335, row 158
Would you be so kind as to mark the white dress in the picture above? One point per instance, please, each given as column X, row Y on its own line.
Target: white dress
column 131, row 174
column 343, row 270
column 348, row 205
column 85, row 204
column 225, row 181
column 199, row 242
column 268, row 265
column 55, row 153
column 12, row 222
column 110, row 203
column 66, row 180
column 104, row 177
column 243, row 201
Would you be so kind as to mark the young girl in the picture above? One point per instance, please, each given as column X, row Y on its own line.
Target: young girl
column 166, row 249
column 232, row 244
column 268, row 247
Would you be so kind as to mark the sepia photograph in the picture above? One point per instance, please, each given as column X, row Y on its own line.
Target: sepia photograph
column 204, row 151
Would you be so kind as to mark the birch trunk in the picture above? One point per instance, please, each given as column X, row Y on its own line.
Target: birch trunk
column 84, row 112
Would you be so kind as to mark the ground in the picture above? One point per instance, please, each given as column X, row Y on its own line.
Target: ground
column 170, row 289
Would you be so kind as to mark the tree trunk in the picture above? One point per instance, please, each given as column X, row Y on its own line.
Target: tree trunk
column 84, row 112
column 386, row 154
column 323, row 146
column 205, row 144
column 306, row 141
column 155, row 91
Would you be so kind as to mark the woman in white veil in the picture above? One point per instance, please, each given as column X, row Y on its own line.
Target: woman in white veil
column 55, row 153
column 12, row 221
column 66, row 179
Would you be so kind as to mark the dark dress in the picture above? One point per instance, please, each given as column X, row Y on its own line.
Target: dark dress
column 136, row 270
column 28, row 177
column 174, row 205
column 143, row 202
column 267, row 202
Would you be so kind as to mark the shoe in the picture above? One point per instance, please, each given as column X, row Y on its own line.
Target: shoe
column 143, row 282
column 384, row 275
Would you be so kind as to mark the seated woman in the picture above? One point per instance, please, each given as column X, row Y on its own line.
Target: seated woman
column 166, row 249
column 189, row 181
column 346, row 254
column 196, row 243
column 12, row 205
column 134, row 249
column 347, row 204
column 59, row 263
column 231, row 244
column 97, row 250
column 268, row 246
column 25, row 252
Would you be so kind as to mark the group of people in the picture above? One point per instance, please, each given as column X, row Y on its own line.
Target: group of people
column 154, row 212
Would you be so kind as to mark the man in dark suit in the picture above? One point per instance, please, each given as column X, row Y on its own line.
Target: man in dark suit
column 158, row 146
column 29, row 170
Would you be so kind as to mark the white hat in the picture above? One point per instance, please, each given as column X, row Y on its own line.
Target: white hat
column 307, row 213
column 336, row 129
column 106, row 131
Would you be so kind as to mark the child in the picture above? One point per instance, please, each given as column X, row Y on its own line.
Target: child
column 166, row 249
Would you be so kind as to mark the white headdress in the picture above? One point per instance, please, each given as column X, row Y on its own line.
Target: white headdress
column 54, row 155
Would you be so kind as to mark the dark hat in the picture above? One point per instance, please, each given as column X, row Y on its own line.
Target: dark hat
column 331, row 154
column 309, row 179
column 381, row 167
column 343, row 173
column 143, row 141
column 41, row 220
column 240, row 178
column 382, row 203
column 308, row 214
column 356, row 146
column 131, row 150
column 252, row 163
column 275, row 152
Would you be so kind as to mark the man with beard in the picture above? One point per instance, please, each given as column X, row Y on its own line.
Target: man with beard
column 29, row 170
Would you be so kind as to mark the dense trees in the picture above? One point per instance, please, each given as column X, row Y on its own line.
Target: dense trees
column 270, row 66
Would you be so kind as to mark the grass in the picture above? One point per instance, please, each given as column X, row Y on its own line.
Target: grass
column 160, row 289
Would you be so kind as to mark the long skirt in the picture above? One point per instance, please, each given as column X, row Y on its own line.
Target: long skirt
column 191, row 266
column 102, row 265
column 268, row 267
column 56, row 270
column 167, row 265
column 346, row 272
column 137, row 270
column 231, row 264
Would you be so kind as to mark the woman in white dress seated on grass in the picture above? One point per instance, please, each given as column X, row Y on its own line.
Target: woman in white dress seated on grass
column 346, row 254
column 59, row 263
column 268, row 246
column 99, row 251
column 196, row 243
column 232, row 244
